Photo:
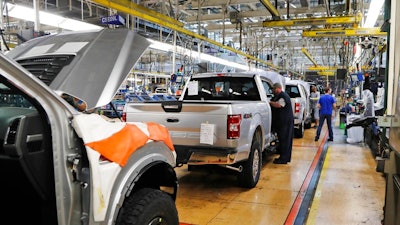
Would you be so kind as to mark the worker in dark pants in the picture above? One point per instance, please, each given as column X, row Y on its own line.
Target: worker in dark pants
column 282, row 116
column 326, row 105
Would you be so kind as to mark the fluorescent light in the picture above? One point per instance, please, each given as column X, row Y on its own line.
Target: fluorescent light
column 373, row 12
column 26, row 13
column 201, row 56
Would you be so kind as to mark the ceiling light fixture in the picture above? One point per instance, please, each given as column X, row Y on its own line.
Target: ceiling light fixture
column 373, row 12
column 200, row 56
column 26, row 13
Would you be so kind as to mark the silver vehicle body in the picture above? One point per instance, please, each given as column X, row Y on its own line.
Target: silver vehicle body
column 185, row 125
column 58, row 170
column 299, row 92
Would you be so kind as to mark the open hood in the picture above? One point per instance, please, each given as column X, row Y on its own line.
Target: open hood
column 89, row 65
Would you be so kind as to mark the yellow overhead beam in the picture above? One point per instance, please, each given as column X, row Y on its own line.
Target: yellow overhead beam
column 326, row 73
column 313, row 21
column 267, row 4
column 321, row 68
column 304, row 50
column 272, row 9
column 338, row 32
column 133, row 9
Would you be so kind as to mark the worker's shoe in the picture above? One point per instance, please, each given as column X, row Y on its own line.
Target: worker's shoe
column 316, row 139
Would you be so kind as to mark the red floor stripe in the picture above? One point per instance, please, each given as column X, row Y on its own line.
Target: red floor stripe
column 300, row 196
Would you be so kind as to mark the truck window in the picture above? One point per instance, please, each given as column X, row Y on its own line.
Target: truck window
column 9, row 98
column 267, row 88
column 292, row 91
column 222, row 88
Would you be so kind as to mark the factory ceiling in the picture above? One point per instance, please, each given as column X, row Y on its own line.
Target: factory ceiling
column 285, row 35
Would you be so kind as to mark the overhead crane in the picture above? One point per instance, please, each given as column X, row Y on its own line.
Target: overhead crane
column 337, row 20
column 381, row 49
column 274, row 12
column 327, row 32
column 152, row 16
column 340, row 32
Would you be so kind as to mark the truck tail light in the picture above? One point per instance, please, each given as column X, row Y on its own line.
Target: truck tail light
column 234, row 126
column 296, row 107
column 123, row 117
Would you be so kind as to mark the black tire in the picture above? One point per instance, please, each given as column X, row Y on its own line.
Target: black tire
column 250, row 174
column 299, row 132
column 307, row 124
column 190, row 168
column 148, row 207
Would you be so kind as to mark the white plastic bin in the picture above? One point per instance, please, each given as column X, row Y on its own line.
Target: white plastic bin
column 354, row 134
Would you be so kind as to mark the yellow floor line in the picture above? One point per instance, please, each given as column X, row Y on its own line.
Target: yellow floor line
column 318, row 192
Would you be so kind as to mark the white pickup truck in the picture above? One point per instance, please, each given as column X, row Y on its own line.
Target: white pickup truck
column 220, row 119
column 299, row 92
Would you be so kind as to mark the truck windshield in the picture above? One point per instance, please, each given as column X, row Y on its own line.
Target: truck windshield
column 222, row 88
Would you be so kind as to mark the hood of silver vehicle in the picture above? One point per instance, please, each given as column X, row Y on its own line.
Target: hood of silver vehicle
column 89, row 65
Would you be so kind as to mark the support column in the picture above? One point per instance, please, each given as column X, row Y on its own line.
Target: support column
column 36, row 6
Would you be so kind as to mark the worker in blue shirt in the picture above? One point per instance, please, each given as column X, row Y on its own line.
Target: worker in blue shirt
column 326, row 105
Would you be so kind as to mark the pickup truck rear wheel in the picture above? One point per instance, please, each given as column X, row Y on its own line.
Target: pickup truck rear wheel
column 148, row 206
column 299, row 132
column 250, row 174
column 307, row 124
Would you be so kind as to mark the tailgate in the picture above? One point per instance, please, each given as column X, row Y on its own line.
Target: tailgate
column 296, row 106
column 184, row 126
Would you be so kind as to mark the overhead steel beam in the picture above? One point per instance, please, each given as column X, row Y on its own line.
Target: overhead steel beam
column 306, row 53
column 139, row 11
column 314, row 21
column 339, row 32
column 257, row 13
column 267, row 4
column 326, row 73
column 274, row 12
column 321, row 68
column 129, row 7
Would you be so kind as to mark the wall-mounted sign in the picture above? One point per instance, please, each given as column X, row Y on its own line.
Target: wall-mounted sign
column 114, row 19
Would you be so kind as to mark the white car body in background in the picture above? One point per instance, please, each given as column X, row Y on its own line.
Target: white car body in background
column 299, row 92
